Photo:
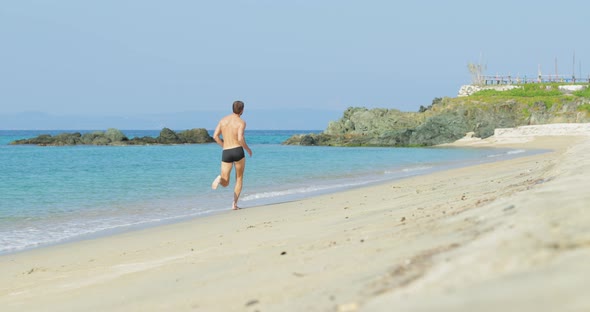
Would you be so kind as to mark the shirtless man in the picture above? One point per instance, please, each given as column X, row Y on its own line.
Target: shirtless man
column 232, row 127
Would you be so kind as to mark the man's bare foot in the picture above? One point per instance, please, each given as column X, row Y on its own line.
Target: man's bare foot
column 216, row 182
column 235, row 207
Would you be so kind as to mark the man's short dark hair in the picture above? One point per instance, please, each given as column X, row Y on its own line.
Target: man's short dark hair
column 238, row 107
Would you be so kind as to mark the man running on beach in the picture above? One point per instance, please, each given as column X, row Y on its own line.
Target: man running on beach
column 232, row 127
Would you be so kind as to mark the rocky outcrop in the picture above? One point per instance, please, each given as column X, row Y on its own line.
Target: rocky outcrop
column 116, row 137
column 195, row 136
column 445, row 121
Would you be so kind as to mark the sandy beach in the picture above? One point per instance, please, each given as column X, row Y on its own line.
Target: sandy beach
column 512, row 235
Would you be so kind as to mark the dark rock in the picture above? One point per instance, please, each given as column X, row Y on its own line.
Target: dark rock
column 308, row 140
column 88, row 138
column 143, row 141
column 115, row 135
column 67, row 139
column 100, row 140
column 43, row 139
column 194, row 136
column 440, row 129
column 168, row 136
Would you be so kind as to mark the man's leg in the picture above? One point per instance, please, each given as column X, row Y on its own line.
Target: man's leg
column 240, row 165
column 223, row 178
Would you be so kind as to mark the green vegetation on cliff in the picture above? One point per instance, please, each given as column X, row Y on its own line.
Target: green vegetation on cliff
column 583, row 93
column 532, row 93
column 526, row 90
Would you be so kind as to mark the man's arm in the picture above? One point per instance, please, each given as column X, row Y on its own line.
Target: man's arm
column 216, row 135
column 242, row 138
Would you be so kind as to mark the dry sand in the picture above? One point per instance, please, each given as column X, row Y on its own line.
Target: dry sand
column 506, row 236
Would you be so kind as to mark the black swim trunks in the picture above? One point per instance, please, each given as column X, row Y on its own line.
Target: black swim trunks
column 233, row 154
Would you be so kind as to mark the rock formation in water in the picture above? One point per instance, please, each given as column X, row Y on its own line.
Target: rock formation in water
column 116, row 137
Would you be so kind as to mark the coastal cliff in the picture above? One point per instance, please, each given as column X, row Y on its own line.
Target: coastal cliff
column 449, row 119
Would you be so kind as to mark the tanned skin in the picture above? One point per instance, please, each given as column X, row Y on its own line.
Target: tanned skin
column 232, row 128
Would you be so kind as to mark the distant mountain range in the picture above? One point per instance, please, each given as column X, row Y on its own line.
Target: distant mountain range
column 257, row 119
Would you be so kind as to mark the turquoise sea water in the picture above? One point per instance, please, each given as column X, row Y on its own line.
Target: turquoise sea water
column 54, row 194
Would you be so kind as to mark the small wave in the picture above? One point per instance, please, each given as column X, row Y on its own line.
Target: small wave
column 301, row 190
column 511, row 152
column 410, row 169
column 274, row 194
column 48, row 234
column 419, row 168
column 519, row 151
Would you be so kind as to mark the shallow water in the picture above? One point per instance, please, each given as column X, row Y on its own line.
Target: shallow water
column 53, row 194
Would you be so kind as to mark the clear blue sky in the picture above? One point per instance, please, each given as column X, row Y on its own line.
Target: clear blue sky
column 127, row 58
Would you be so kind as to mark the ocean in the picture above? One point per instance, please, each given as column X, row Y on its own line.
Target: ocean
column 50, row 195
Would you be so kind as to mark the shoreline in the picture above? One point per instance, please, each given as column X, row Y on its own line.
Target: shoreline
column 461, row 239
column 174, row 220
column 262, row 197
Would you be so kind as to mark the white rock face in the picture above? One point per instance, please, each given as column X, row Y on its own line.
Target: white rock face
column 467, row 90
column 571, row 88
column 544, row 130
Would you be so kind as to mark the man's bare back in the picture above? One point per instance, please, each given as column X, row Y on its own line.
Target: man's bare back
column 231, row 127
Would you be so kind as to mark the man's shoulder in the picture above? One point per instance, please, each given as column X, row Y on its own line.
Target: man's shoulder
column 225, row 120
column 236, row 119
column 232, row 121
